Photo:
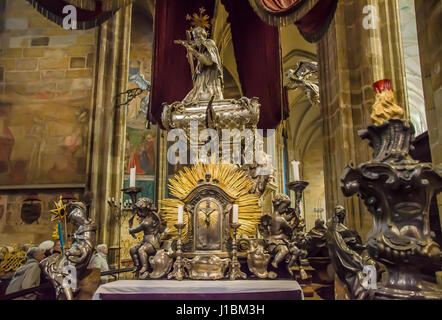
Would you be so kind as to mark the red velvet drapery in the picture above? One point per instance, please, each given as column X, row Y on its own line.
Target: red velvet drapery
column 312, row 17
column 170, row 69
column 86, row 19
column 257, row 52
column 279, row 6
column 315, row 23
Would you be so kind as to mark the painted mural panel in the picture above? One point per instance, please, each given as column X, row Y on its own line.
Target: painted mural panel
column 141, row 142
column 46, row 80
column 43, row 143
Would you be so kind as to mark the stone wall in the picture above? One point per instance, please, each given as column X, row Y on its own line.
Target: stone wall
column 46, row 81
column 429, row 28
column 351, row 59
column 313, row 173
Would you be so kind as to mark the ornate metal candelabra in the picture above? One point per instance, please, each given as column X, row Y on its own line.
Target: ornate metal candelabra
column 397, row 191
column 132, row 192
column 178, row 271
column 235, row 266
column 298, row 187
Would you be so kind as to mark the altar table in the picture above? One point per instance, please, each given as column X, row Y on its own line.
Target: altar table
column 200, row 290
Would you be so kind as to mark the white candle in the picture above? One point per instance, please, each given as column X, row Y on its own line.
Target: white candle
column 295, row 165
column 132, row 176
column 235, row 213
column 180, row 214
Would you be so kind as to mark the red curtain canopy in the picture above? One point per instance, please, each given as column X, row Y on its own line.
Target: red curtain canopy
column 312, row 17
column 257, row 54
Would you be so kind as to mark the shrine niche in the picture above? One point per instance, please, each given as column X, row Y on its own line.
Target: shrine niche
column 208, row 192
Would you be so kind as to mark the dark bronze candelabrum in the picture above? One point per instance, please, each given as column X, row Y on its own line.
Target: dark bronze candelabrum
column 117, row 209
column 235, row 266
column 298, row 187
column 178, row 271
column 397, row 191
column 132, row 192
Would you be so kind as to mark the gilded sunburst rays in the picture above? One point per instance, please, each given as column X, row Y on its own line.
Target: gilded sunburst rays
column 232, row 180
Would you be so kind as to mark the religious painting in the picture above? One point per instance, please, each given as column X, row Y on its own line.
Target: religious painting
column 141, row 141
column 141, row 151
column 43, row 143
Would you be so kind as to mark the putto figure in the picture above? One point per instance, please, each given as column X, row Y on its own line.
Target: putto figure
column 276, row 230
column 152, row 228
column 207, row 76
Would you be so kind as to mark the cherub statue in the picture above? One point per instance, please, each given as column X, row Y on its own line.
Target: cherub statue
column 207, row 76
column 279, row 232
column 152, row 227
column 276, row 230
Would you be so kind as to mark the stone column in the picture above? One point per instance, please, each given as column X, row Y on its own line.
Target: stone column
column 109, row 124
column 351, row 59
column 429, row 25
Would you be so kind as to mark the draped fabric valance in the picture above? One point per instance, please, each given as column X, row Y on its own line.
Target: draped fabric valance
column 312, row 17
column 90, row 13
column 106, row 5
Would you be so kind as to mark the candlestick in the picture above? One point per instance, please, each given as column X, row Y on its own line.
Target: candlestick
column 235, row 266
column 178, row 271
column 235, row 213
column 298, row 187
column 180, row 214
column 133, row 173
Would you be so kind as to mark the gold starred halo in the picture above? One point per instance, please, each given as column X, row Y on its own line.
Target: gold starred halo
column 232, row 180
column 60, row 210
column 199, row 20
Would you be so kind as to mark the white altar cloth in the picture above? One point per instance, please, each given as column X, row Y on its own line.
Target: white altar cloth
column 192, row 289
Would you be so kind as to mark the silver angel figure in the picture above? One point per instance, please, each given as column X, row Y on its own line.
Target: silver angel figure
column 305, row 78
column 207, row 76
column 58, row 268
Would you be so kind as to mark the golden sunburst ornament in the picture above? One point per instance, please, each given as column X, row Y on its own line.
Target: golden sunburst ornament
column 60, row 210
column 230, row 179
column 199, row 20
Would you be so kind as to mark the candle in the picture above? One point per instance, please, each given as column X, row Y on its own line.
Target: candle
column 295, row 165
column 180, row 214
column 235, row 213
column 132, row 176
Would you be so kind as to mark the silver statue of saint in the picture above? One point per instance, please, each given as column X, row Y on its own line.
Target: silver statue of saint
column 207, row 76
